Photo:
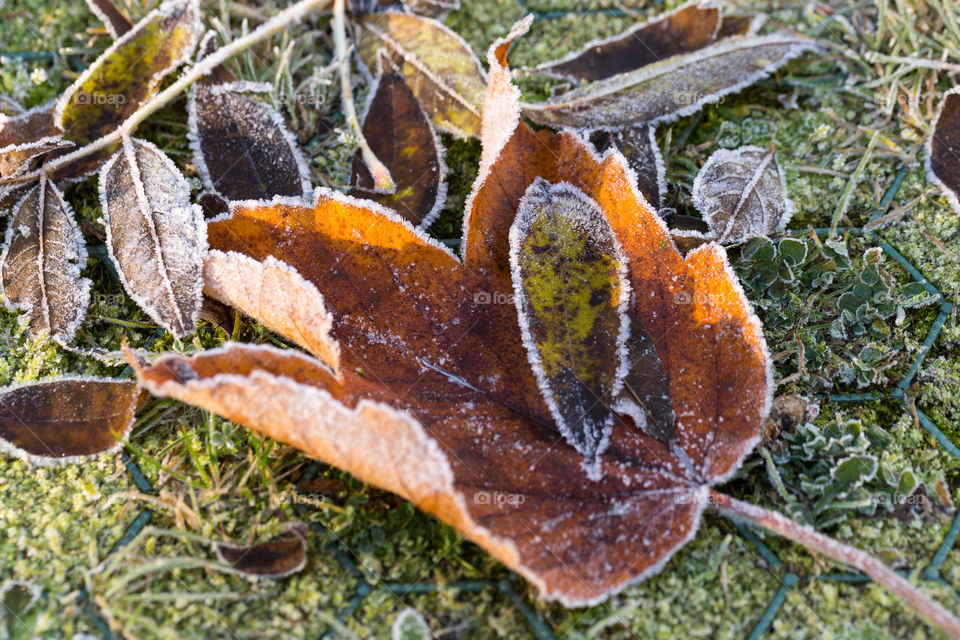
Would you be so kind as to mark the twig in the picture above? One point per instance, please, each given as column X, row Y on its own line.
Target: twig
column 382, row 181
column 278, row 22
column 819, row 543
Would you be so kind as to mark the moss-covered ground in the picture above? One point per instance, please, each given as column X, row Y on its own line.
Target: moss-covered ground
column 121, row 545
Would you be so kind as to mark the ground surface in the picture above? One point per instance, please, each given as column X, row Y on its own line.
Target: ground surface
column 121, row 545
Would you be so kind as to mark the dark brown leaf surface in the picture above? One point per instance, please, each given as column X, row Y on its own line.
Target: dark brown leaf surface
column 277, row 558
column 943, row 156
column 66, row 420
column 401, row 136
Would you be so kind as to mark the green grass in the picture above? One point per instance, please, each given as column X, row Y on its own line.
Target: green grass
column 210, row 480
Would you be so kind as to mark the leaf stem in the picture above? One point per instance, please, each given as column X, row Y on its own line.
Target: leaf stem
column 827, row 546
column 277, row 23
column 382, row 181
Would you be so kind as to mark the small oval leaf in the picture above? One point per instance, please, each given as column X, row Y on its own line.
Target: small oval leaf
column 400, row 135
column 571, row 293
column 67, row 419
column 741, row 194
column 944, row 148
column 438, row 66
column 156, row 238
column 283, row 556
column 43, row 255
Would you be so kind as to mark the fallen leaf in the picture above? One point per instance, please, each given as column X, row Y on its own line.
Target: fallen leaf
column 672, row 88
column 155, row 236
column 740, row 25
column 400, row 135
column 741, row 194
column 66, row 419
column 436, row 9
column 439, row 67
column 432, row 397
column 43, row 255
column 570, row 288
column 17, row 599
column 943, row 148
column 19, row 158
column 277, row 558
column 639, row 146
column 27, row 129
column 241, row 146
column 112, row 18
column 683, row 30
column 125, row 76
column 410, row 625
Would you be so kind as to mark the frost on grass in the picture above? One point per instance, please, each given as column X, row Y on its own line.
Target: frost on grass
column 672, row 88
column 66, row 419
column 401, row 136
column 241, row 146
column 741, row 194
column 571, row 292
column 686, row 29
column 943, row 149
column 155, row 236
column 43, row 255
column 437, row 64
column 277, row 558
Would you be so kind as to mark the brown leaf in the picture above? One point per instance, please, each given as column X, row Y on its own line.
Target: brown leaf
column 943, row 149
column 66, row 419
column 400, row 135
column 42, row 257
column 741, row 194
column 26, row 129
column 683, row 30
column 241, row 146
column 277, row 558
column 432, row 398
column 112, row 18
column 639, row 146
column 437, row 64
column 155, row 236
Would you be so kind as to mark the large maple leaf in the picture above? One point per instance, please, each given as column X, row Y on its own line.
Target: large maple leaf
column 422, row 384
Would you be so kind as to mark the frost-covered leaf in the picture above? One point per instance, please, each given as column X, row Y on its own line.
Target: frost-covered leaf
column 66, row 419
column 570, row 288
column 241, row 146
column 401, row 136
column 17, row 613
column 26, row 130
column 436, row 9
column 277, row 558
column 943, row 149
column 410, row 625
column 639, row 146
column 155, row 236
column 43, row 255
column 671, row 88
column 112, row 18
column 438, row 66
column 683, row 30
column 432, row 396
column 741, row 194
column 19, row 158
column 125, row 76
column 645, row 395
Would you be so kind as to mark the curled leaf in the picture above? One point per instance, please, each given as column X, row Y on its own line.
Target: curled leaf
column 683, row 30
column 943, row 149
column 671, row 88
column 29, row 130
column 438, row 66
column 155, row 236
column 43, row 255
column 639, row 146
column 241, row 146
column 66, row 419
column 400, row 135
column 569, row 280
column 277, row 558
column 125, row 76
column 741, row 194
